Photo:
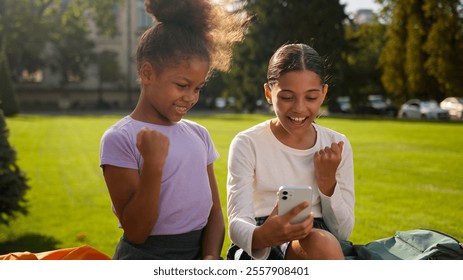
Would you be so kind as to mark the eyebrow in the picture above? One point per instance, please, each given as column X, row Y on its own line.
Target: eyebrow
column 189, row 80
column 310, row 90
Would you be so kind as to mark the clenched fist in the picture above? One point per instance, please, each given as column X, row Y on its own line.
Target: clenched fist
column 153, row 146
column 326, row 164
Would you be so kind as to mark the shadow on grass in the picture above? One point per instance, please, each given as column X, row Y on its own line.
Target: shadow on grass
column 31, row 242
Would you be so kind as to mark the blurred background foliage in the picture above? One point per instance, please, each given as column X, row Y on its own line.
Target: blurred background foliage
column 409, row 49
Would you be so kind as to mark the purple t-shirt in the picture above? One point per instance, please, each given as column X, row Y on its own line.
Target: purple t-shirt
column 186, row 198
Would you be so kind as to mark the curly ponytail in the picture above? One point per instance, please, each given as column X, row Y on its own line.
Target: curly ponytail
column 188, row 28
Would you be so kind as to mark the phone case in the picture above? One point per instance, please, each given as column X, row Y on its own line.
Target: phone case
column 291, row 196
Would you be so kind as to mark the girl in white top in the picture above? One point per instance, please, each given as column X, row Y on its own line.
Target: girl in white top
column 290, row 150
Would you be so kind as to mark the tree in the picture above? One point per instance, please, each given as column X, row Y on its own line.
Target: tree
column 318, row 23
column 71, row 47
column 8, row 102
column 53, row 33
column 363, row 75
column 12, row 181
column 444, row 45
column 13, row 26
column 23, row 34
column 423, row 54
column 108, row 71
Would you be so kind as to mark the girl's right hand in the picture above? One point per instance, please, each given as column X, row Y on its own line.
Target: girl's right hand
column 277, row 230
column 153, row 146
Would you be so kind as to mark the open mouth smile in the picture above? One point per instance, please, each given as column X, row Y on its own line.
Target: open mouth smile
column 298, row 120
column 181, row 109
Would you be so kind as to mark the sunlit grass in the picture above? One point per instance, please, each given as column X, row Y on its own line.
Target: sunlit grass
column 408, row 175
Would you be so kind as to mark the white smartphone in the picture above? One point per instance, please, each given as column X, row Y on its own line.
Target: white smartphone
column 291, row 196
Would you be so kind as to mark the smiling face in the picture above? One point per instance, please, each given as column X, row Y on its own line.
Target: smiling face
column 296, row 97
column 167, row 96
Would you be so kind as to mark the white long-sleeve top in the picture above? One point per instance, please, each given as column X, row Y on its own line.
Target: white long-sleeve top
column 259, row 164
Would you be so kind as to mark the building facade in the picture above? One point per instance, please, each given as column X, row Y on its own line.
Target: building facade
column 42, row 90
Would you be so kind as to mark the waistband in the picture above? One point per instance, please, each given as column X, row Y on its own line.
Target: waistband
column 183, row 240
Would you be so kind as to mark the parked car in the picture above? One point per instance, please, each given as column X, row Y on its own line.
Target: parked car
column 454, row 105
column 420, row 109
column 378, row 105
column 344, row 104
column 340, row 104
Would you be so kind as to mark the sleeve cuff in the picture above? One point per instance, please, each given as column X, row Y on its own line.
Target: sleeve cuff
column 261, row 254
column 332, row 200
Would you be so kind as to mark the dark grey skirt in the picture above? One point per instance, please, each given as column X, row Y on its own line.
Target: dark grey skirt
column 186, row 246
column 276, row 252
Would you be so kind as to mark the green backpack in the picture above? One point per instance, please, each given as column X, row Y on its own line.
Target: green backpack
column 417, row 244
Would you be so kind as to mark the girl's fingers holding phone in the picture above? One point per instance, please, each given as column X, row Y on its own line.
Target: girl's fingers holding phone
column 275, row 210
column 301, row 230
column 296, row 210
column 307, row 224
column 278, row 229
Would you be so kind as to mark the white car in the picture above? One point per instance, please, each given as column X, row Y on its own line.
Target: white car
column 344, row 104
column 426, row 110
column 454, row 105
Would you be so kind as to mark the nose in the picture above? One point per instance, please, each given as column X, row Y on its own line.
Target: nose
column 191, row 96
column 299, row 105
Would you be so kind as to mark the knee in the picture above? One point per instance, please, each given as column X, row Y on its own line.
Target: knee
column 322, row 245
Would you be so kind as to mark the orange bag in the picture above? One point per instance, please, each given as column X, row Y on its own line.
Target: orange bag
column 84, row 252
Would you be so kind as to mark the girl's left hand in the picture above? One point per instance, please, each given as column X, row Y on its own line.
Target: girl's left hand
column 326, row 164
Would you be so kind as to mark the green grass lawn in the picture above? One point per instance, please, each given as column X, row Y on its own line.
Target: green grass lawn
column 408, row 175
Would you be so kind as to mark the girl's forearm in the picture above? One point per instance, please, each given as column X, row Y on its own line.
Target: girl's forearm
column 141, row 212
column 213, row 235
